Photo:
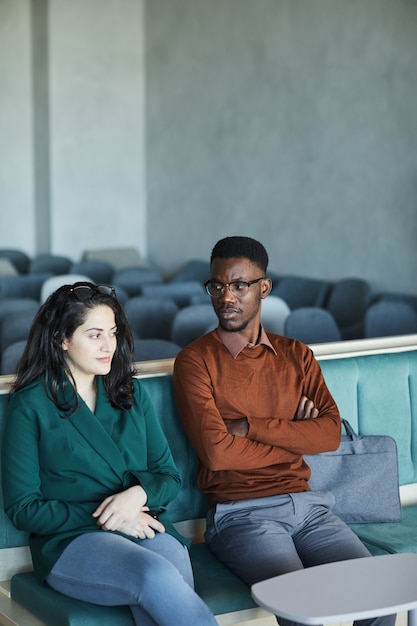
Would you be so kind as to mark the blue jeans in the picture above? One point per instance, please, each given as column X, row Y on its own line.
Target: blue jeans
column 265, row 537
column 154, row 578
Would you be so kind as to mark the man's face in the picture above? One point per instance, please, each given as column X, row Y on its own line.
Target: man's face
column 237, row 313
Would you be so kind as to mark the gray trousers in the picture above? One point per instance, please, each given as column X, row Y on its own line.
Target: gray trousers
column 263, row 537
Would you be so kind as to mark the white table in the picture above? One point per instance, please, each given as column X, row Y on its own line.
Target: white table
column 344, row 591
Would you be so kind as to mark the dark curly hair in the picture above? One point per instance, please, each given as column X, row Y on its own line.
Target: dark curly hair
column 241, row 247
column 57, row 319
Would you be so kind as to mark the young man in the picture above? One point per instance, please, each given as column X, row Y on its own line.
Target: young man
column 253, row 403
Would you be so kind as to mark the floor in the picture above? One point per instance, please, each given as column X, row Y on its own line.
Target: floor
column 271, row 621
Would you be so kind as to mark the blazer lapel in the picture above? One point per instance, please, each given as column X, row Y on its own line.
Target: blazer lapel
column 89, row 426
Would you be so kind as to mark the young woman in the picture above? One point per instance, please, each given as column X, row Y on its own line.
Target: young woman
column 87, row 470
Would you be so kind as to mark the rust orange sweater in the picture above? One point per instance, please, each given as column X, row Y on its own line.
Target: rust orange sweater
column 265, row 387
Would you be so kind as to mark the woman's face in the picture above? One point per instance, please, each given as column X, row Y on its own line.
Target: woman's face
column 90, row 350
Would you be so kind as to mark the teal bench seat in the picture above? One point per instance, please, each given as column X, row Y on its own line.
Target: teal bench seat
column 392, row 537
column 220, row 588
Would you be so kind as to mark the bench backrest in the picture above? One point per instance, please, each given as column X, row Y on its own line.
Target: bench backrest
column 10, row 537
column 190, row 502
column 377, row 394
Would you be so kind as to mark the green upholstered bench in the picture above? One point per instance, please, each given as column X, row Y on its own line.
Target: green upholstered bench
column 375, row 385
column 392, row 537
column 377, row 392
column 223, row 592
column 221, row 589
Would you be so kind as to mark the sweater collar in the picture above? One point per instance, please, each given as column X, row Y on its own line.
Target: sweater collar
column 235, row 343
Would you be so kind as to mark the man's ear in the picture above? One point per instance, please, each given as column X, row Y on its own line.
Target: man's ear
column 266, row 286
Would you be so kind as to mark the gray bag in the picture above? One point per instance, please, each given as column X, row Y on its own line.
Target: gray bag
column 362, row 474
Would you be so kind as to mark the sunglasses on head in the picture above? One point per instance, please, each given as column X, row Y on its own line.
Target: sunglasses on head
column 85, row 291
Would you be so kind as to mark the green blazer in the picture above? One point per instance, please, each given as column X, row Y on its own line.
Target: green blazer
column 57, row 470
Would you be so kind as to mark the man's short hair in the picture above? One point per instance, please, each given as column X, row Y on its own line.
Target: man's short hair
column 241, row 248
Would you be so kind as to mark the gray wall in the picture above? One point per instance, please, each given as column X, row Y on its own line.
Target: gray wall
column 166, row 124
column 293, row 121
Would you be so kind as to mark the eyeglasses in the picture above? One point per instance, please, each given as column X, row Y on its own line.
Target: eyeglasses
column 237, row 288
column 85, row 291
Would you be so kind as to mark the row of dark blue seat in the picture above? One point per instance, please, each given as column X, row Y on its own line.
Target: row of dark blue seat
column 317, row 310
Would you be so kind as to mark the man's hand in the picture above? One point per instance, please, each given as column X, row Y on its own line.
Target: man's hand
column 306, row 409
column 238, row 427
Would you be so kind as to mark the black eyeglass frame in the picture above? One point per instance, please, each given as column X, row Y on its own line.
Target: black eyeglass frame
column 90, row 290
column 223, row 287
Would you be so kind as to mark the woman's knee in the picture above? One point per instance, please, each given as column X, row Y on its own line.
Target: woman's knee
column 175, row 552
column 110, row 570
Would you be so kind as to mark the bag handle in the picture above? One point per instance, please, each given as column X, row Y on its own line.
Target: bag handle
column 349, row 430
